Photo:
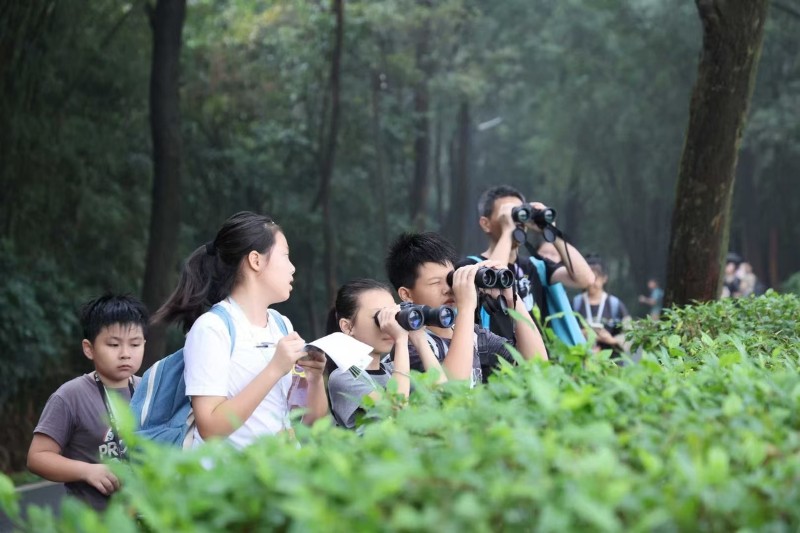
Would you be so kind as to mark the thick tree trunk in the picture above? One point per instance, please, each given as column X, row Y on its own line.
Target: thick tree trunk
column 329, row 154
column 732, row 36
column 166, row 21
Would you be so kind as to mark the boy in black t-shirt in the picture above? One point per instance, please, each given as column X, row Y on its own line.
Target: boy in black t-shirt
column 494, row 210
column 76, row 430
column 418, row 265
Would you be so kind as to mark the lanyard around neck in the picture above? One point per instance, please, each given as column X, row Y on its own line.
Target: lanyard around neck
column 111, row 418
column 600, row 308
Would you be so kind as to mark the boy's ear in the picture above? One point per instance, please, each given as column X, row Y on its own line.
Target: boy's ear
column 345, row 326
column 404, row 294
column 485, row 224
column 88, row 351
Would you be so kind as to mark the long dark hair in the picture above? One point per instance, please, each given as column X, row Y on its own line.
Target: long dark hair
column 212, row 270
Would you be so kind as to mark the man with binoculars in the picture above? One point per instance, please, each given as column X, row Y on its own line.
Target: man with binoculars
column 505, row 217
column 420, row 267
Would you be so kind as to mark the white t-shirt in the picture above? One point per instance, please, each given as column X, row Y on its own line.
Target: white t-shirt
column 211, row 369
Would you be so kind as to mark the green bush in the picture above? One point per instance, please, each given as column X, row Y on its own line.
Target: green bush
column 702, row 434
column 792, row 284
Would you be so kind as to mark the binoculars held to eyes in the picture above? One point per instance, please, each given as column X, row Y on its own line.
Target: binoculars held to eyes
column 489, row 278
column 412, row 317
column 523, row 214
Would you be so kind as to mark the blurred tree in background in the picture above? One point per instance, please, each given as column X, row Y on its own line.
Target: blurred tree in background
column 581, row 104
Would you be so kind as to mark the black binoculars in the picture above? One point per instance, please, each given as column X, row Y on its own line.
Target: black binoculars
column 412, row 317
column 541, row 217
column 489, row 278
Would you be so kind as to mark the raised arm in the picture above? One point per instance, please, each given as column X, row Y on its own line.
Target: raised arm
column 429, row 361
column 458, row 362
column 574, row 272
column 218, row 416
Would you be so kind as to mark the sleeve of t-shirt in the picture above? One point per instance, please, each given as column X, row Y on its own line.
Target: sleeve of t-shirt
column 207, row 356
column 346, row 394
column 57, row 421
column 491, row 346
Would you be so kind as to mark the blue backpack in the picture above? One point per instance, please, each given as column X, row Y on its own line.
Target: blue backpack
column 561, row 318
column 161, row 409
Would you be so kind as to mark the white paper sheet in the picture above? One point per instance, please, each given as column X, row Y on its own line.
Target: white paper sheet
column 344, row 350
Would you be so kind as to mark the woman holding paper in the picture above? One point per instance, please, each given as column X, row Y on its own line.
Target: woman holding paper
column 359, row 304
column 239, row 360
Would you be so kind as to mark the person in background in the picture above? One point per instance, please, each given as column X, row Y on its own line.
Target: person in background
column 604, row 312
column 654, row 298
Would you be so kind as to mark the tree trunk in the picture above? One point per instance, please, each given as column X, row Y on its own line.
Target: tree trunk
column 328, row 153
column 166, row 21
column 732, row 36
column 420, row 186
column 459, row 179
column 437, row 173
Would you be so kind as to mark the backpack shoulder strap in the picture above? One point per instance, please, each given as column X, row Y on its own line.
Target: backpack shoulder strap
column 274, row 315
column 228, row 320
column 614, row 302
column 576, row 302
column 540, row 269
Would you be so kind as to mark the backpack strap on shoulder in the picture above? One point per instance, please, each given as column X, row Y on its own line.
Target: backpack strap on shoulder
column 614, row 302
column 226, row 317
column 541, row 270
column 276, row 316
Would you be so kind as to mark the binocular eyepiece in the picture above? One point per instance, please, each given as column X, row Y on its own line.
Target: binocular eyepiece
column 523, row 214
column 412, row 317
column 489, row 278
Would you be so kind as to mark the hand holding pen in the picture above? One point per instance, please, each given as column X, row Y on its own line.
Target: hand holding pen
column 287, row 352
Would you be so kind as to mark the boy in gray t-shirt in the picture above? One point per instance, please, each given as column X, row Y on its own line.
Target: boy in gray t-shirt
column 77, row 428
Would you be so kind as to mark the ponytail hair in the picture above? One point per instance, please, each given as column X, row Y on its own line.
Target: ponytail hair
column 212, row 270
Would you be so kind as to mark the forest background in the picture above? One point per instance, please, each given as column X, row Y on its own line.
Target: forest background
column 348, row 123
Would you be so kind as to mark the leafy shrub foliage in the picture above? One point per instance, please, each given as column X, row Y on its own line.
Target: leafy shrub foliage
column 701, row 434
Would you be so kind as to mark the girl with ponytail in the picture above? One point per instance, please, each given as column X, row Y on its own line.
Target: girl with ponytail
column 240, row 392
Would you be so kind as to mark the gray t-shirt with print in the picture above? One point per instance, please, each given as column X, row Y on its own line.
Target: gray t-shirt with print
column 346, row 391
column 75, row 417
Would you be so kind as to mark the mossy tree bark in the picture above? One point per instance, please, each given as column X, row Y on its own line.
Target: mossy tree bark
column 732, row 37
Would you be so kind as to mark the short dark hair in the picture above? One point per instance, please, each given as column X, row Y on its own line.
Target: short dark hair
column 410, row 251
column 487, row 199
column 596, row 261
column 110, row 309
